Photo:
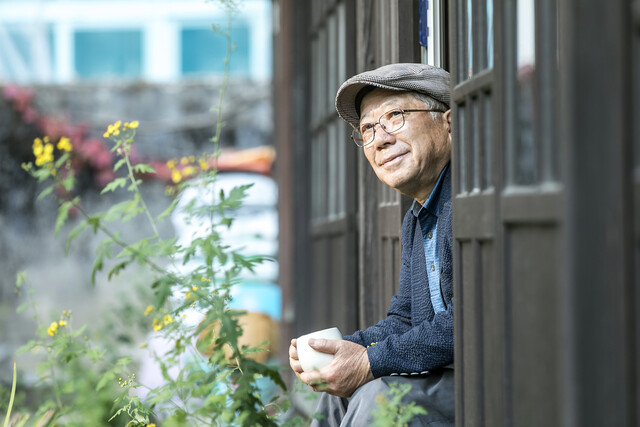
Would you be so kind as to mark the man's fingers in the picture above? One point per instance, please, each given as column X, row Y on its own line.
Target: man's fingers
column 324, row 345
column 295, row 365
column 311, row 377
column 293, row 352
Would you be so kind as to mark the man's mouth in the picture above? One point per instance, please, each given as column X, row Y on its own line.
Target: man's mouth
column 392, row 159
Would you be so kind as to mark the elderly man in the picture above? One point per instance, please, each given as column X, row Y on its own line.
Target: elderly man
column 402, row 122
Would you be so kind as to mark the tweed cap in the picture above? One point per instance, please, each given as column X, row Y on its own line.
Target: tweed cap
column 427, row 79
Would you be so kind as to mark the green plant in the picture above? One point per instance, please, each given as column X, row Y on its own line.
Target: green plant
column 392, row 411
column 209, row 376
column 225, row 391
column 13, row 394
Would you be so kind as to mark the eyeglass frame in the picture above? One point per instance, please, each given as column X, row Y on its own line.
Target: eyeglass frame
column 402, row 111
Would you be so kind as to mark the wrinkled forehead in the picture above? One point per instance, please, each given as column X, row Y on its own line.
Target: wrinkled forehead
column 378, row 101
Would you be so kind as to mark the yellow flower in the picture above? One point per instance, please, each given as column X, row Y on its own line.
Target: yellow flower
column 151, row 425
column 204, row 279
column 204, row 165
column 194, row 287
column 171, row 164
column 37, row 147
column 148, row 310
column 53, row 329
column 62, row 322
column 176, row 176
column 184, row 161
column 157, row 324
column 188, row 295
column 192, row 159
column 133, row 125
column 44, row 154
column 113, row 129
column 168, row 319
column 64, row 144
column 189, row 170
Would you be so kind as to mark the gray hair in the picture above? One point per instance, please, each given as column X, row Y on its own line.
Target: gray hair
column 430, row 103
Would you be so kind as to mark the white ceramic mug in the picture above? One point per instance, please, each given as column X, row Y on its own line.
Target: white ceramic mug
column 311, row 359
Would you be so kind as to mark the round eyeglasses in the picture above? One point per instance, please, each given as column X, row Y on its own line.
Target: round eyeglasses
column 391, row 122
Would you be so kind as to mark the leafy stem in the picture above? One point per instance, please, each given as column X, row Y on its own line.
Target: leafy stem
column 136, row 189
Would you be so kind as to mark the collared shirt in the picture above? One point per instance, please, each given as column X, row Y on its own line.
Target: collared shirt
column 427, row 215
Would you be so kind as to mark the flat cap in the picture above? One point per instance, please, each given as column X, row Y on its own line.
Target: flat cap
column 427, row 79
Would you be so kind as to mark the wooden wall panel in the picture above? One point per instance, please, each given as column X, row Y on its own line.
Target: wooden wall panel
column 471, row 325
column 493, row 333
column 532, row 264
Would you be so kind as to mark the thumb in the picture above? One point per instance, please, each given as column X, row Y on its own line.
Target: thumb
column 324, row 345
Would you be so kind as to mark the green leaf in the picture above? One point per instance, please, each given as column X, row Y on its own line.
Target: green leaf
column 162, row 289
column 63, row 214
column 167, row 211
column 107, row 377
column 117, row 268
column 114, row 185
column 69, row 182
column 73, row 234
column 94, row 222
column 97, row 266
column 94, row 354
column 119, row 164
column 143, row 168
column 123, row 361
column 44, row 193
column 117, row 211
column 27, row 347
column 132, row 186
column 21, row 277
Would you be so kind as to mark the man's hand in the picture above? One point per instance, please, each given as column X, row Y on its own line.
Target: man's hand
column 293, row 358
column 348, row 370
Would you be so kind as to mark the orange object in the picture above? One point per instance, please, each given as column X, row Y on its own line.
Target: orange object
column 257, row 328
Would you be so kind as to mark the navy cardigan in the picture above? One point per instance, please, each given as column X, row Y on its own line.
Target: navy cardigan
column 413, row 339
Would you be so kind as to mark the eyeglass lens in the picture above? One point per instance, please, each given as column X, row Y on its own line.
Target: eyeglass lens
column 390, row 121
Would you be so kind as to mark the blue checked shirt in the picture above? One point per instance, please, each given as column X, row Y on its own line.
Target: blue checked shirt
column 427, row 215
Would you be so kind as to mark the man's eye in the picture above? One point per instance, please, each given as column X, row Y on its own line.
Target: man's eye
column 394, row 113
column 365, row 128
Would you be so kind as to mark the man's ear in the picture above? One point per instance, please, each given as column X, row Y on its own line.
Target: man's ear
column 447, row 117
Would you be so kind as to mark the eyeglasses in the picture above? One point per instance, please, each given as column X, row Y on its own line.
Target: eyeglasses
column 391, row 122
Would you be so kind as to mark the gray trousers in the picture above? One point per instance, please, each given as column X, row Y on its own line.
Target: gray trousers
column 434, row 392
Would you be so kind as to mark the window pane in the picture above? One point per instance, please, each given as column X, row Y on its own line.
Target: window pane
column 26, row 53
column 332, row 163
column 204, row 50
column 475, row 160
column 488, row 141
column 100, row 54
column 469, row 38
column 342, row 168
column 525, row 161
column 461, row 148
column 489, row 33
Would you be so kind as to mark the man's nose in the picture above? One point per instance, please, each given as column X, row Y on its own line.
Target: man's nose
column 382, row 137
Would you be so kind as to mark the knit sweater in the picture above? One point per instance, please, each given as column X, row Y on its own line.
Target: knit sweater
column 413, row 339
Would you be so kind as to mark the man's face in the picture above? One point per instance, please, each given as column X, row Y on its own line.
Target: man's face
column 410, row 160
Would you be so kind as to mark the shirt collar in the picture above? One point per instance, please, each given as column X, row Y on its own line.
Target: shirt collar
column 431, row 205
